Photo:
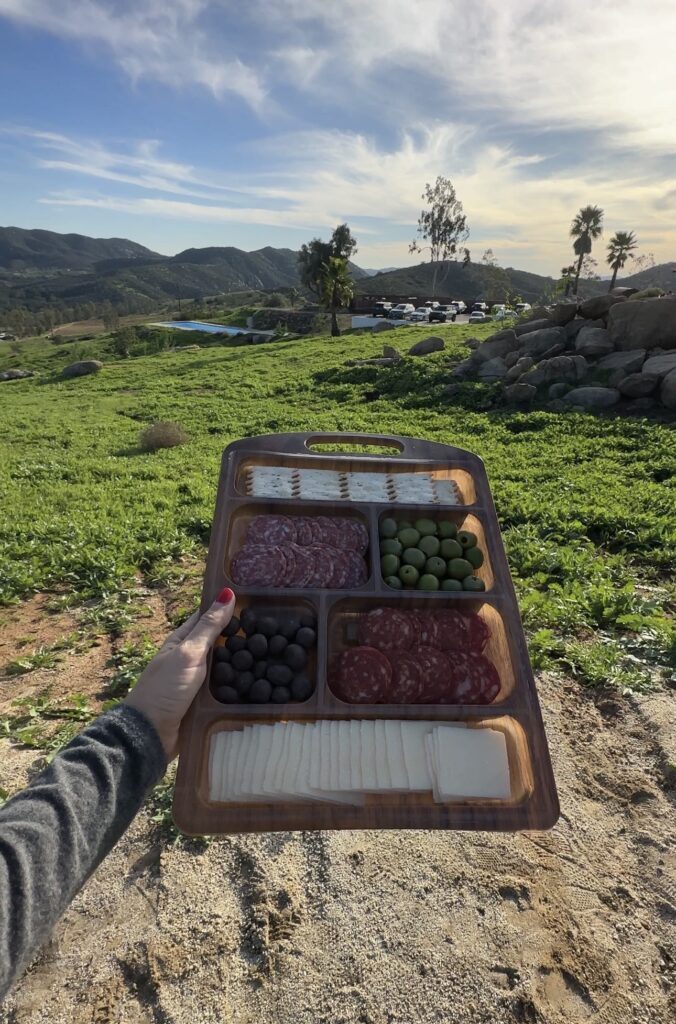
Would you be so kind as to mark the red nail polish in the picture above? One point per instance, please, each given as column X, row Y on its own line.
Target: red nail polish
column 226, row 595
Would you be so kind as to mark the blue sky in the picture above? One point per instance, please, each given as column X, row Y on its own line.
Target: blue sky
column 219, row 122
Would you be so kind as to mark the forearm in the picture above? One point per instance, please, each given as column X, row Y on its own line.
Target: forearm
column 57, row 831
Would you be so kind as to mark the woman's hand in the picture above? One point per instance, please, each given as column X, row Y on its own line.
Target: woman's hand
column 167, row 687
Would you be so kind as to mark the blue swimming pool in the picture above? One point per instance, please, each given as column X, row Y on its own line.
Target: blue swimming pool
column 197, row 325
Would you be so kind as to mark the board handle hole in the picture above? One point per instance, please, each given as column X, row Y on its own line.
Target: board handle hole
column 344, row 444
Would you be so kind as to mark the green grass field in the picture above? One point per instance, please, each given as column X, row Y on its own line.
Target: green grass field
column 586, row 504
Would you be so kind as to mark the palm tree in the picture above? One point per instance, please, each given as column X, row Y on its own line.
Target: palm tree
column 619, row 247
column 567, row 274
column 336, row 288
column 587, row 225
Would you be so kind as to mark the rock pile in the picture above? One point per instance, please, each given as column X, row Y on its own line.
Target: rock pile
column 611, row 350
column 16, row 374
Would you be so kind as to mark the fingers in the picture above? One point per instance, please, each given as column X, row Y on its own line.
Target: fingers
column 211, row 623
column 182, row 632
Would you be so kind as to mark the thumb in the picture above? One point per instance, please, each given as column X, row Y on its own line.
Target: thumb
column 213, row 621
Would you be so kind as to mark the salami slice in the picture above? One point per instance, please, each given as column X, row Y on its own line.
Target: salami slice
column 323, row 567
column 475, row 679
column 430, row 629
column 435, row 672
column 453, row 629
column 478, row 633
column 358, row 572
column 365, row 676
column 406, row 679
column 341, row 569
column 271, row 530
column 303, row 531
column 353, row 535
column 387, row 629
column 257, row 566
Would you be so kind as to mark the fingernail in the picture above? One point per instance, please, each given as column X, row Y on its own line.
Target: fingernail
column 226, row 595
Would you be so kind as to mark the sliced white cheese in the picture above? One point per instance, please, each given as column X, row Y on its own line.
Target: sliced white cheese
column 383, row 777
column 325, row 741
column 446, row 492
column 470, row 764
column 355, row 755
column 368, row 487
column 413, row 488
column 369, row 779
column 321, row 484
column 271, row 773
column 394, row 749
column 270, row 481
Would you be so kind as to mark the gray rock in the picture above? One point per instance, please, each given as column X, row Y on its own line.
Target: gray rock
column 575, row 326
column 639, row 406
column 498, row 346
column 541, row 341
column 538, row 313
column 638, row 385
column 521, row 366
column 464, row 369
column 82, row 368
column 511, row 359
column 630, row 362
column 623, row 291
column 598, row 305
column 611, row 379
column 558, row 390
column 16, row 374
column 427, row 345
column 555, row 350
column 668, row 390
column 593, row 398
column 390, row 353
column 593, row 341
column 384, row 325
column 472, row 343
column 557, row 405
column 581, row 367
column 650, row 323
column 562, row 313
column 661, row 365
column 560, row 368
column 535, row 377
column 532, row 325
column 494, row 369
column 520, row 393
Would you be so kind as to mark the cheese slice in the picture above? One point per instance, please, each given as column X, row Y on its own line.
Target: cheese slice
column 271, row 773
column 270, row 482
column 369, row 780
column 446, row 492
column 355, row 755
column 368, row 487
column 470, row 764
column 394, row 750
column 383, row 777
column 321, row 484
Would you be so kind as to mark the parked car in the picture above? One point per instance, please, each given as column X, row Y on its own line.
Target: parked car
column 477, row 316
column 459, row 305
column 479, row 307
column 443, row 315
column 401, row 311
column 432, row 305
column 422, row 313
column 504, row 314
column 382, row 308
column 522, row 307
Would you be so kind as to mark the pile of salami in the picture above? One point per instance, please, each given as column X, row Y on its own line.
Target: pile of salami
column 302, row 551
column 426, row 657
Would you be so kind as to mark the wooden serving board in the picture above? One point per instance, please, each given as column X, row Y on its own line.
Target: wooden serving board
column 533, row 803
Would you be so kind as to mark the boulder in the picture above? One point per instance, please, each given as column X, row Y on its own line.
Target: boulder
column 534, row 377
column 630, row 362
column 539, row 342
column 521, row 366
column 593, row 341
column 532, row 325
column 575, row 326
column 599, row 305
column 623, row 291
column 668, row 390
column 560, row 368
column 638, row 385
column 520, row 393
column 494, row 369
column 661, row 365
column 82, row 368
column 390, row 353
column 639, row 406
column 648, row 324
column 498, row 346
column 472, row 342
column 538, row 313
column 464, row 369
column 16, row 374
column 581, row 367
column 384, row 325
column 427, row 345
column 555, row 350
column 511, row 359
column 593, row 398
column 558, row 390
column 613, row 378
column 563, row 313
column 557, row 405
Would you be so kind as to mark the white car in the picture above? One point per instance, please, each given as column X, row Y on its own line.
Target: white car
column 522, row 307
column 504, row 314
column 401, row 311
column 420, row 314
column 460, row 305
column 478, row 317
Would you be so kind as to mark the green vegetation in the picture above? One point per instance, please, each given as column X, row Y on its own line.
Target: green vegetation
column 585, row 503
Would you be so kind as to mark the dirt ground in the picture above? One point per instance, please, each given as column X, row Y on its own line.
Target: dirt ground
column 573, row 925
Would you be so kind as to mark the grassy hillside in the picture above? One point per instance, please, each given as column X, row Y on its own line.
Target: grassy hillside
column 586, row 504
column 33, row 250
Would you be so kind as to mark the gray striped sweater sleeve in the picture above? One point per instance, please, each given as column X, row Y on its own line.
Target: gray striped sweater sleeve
column 56, row 832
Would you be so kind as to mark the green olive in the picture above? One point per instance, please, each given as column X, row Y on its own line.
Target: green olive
column 409, row 537
column 467, row 538
column 473, row 583
column 413, row 556
column 450, row 549
column 404, row 524
column 458, row 568
column 392, row 546
column 425, row 527
column 447, row 528
column 430, row 545
column 436, row 566
column 451, row 585
column 388, row 528
column 409, row 575
column 394, row 582
column 475, row 556
column 389, row 565
column 428, row 582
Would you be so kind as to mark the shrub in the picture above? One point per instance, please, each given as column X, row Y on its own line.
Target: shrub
column 161, row 435
column 275, row 300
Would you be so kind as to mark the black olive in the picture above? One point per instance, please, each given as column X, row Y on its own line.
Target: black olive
column 259, row 669
column 280, row 695
column 248, row 621
column 279, row 675
column 295, row 656
column 260, row 692
column 232, row 627
column 222, row 674
column 242, row 661
column 267, row 625
column 277, row 645
column 289, row 626
column 307, row 619
column 236, row 643
column 226, row 694
column 222, row 654
column 243, row 682
column 306, row 637
column 258, row 645
column 301, row 687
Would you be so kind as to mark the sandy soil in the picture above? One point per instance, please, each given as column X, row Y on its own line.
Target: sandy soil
column 569, row 926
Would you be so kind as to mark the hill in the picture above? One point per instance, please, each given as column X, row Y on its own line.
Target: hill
column 24, row 250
